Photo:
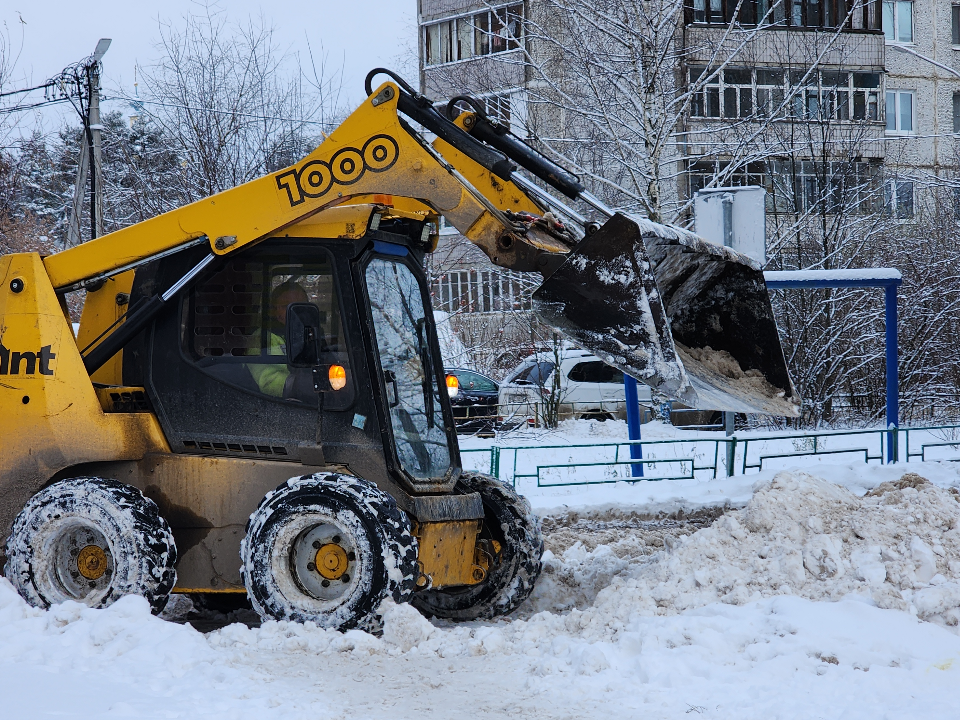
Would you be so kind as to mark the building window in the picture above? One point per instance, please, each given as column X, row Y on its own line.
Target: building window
column 898, row 20
column 956, row 112
column 486, row 33
column 866, row 96
column 482, row 291
column 955, row 23
column 795, row 13
column 722, row 174
column 770, row 92
column 760, row 93
column 956, row 203
column 507, row 108
column 898, row 199
column 900, row 111
column 834, row 187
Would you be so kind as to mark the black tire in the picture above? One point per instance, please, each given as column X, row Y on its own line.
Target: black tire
column 223, row 603
column 598, row 416
column 508, row 520
column 93, row 541
column 302, row 519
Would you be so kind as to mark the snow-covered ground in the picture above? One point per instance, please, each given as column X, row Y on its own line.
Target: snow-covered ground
column 826, row 591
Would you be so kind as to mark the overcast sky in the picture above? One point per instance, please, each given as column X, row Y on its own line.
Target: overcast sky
column 360, row 34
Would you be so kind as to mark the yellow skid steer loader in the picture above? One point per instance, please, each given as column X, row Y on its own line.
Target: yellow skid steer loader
column 255, row 400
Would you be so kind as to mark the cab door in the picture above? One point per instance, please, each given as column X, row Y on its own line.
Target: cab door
column 419, row 421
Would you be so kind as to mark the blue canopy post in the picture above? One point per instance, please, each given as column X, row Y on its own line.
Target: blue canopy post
column 893, row 373
column 633, row 424
column 887, row 278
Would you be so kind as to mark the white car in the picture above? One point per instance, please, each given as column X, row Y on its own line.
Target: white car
column 588, row 388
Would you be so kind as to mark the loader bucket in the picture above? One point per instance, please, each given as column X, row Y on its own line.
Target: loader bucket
column 604, row 298
column 689, row 318
column 722, row 324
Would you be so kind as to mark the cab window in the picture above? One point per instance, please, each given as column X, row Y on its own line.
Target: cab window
column 234, row 324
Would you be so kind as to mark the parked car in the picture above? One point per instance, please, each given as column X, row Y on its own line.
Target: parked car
column 588, row 388
column 474, row 398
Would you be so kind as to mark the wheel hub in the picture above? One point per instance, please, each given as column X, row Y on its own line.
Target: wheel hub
column 92, row 562
column 331, row 561
column 83, row 564
column 324, row 561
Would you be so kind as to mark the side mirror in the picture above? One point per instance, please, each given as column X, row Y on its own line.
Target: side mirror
column 303, row 335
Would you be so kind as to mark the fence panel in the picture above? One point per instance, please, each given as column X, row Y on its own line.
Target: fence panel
column 700, row 457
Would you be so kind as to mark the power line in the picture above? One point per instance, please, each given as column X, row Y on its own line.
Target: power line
column 26, row 90
column 21, row 108
column 139, row 101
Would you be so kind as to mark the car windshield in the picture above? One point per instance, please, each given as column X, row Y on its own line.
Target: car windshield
column 474, row 381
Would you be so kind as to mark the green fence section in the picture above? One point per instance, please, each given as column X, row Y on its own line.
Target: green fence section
column 684, row 467
column 816, row 445
column 710, row 456
column 953, row 442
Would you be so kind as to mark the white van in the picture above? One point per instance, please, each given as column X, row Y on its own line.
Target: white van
column 589, row 389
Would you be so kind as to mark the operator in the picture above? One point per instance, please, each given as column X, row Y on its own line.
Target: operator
column 272, row 378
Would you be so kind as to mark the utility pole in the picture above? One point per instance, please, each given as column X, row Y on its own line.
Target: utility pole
column 93, row 134
column 90, row 162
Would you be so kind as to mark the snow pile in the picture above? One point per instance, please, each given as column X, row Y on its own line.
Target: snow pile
column 899, row 545
column 721, row 362
column 76, row 635
column 576, row 577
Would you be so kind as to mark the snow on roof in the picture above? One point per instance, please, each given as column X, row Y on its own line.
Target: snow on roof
column 852, row 274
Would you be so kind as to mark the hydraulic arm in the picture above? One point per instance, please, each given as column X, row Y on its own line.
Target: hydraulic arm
column 690, row 319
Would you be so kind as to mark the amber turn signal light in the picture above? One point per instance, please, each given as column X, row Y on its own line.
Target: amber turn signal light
column 453, row 385
column 338, row 377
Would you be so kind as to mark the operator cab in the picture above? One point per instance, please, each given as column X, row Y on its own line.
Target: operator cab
column 321, row 350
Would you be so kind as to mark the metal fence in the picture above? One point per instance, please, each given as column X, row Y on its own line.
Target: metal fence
column 705, row 457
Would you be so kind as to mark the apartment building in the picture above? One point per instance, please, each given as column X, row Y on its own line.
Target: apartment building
column 922, row 102
column 823, row 102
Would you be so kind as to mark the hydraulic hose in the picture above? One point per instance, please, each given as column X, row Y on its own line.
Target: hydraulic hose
column 420, row 109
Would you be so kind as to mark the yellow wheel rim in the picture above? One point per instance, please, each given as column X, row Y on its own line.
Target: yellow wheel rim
column 92, row 562
column 331, row 561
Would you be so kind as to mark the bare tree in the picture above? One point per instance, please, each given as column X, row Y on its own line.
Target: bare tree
column 9, row 54
column 628, row 92
column 488, row 307
column 234, row 105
